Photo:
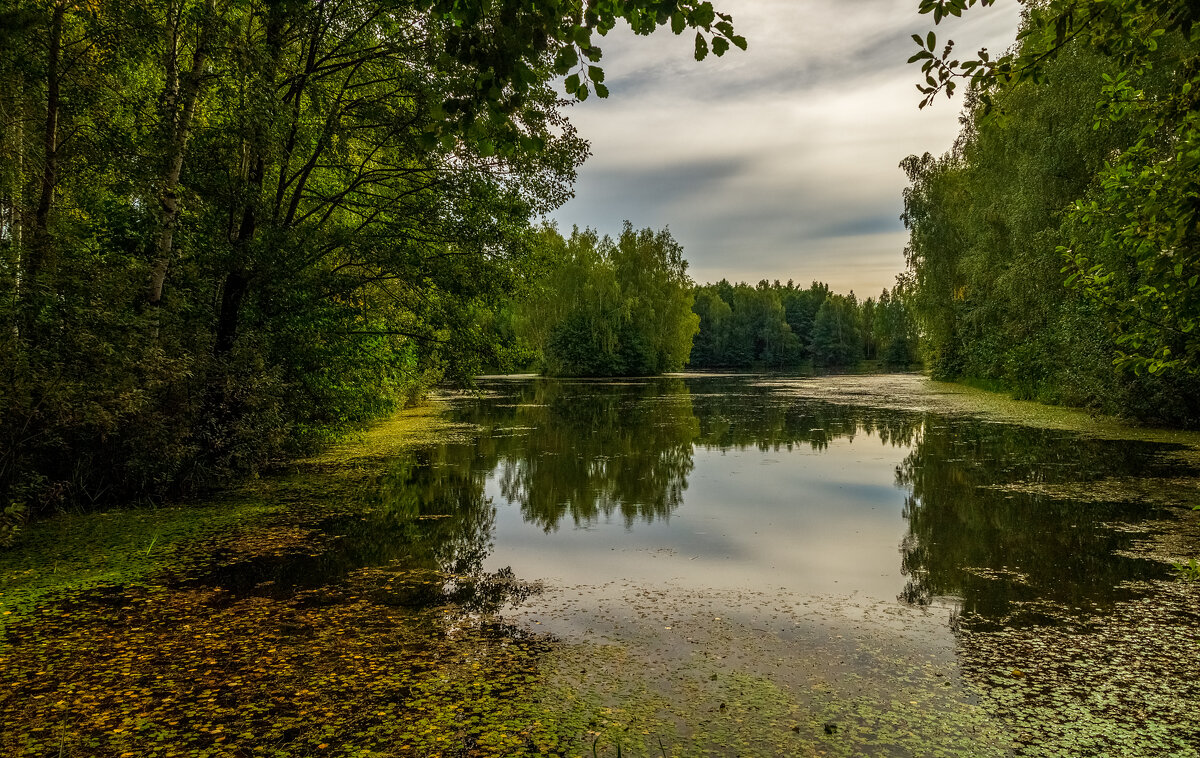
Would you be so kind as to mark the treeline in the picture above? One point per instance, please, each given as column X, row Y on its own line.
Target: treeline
column 627, row 307
column 1055, row 250
column 605, row 307
column 778, row 326
column 229, row 229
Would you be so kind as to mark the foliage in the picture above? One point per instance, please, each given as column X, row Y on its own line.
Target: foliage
column 610, row 307
column 231, row 230
column 1093, row 114
column 777, row 325
column 11, row 520
column 1188, row 571
column 989, row 221
column 836, row 337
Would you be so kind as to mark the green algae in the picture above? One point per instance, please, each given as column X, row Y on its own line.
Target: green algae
column 916, row 393
column 701, row 707
column 177, row 632
column 74, row 552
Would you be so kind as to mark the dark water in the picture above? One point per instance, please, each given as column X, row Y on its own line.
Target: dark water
column 711, row 483
column 775, row 574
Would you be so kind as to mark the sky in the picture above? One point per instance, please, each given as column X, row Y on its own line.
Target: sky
column 781, row 162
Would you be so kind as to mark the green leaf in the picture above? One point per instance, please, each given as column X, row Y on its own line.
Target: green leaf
column 678, row 22
column 932, row 40
column 701, row 47
column 720, row 45
column 566, row 60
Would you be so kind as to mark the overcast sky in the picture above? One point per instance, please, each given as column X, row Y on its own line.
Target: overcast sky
column 781, row 162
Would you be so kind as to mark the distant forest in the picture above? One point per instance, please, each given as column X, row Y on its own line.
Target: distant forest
column 626, row 307
column 779, row 326
column 605, row 307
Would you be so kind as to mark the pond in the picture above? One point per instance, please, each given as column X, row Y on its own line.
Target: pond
column 696, row 565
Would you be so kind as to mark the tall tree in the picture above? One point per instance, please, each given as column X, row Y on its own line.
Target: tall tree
column 620, row 307
column 228, row 228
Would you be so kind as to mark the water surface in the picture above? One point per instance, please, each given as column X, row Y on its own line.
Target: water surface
column 697, row 565
column 721, row 483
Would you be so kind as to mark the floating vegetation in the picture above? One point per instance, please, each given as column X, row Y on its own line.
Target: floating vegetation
column 347, row 607
column 1115, row 684
column 1188, row 571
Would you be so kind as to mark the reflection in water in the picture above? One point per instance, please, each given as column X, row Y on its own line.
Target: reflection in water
column 824, row 507
column 1008, row 552
column 421, row 523
column 583, row 452
column 742, row 417
column 591, row 450
column 721, row 530
column 595, row 453
column 677, row 490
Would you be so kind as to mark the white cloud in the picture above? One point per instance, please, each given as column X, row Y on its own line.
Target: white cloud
column 780, row 162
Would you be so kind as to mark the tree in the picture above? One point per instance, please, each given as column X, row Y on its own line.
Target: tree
column 992, row 222
column 230, row 229
column 611, row 308
column 712, row 341
column 1132, row 247
column 836, row 337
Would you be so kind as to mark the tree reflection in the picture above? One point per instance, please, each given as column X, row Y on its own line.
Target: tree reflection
column 420, row 524
column 1007, row 552
column 736, row 416
column 589, row 451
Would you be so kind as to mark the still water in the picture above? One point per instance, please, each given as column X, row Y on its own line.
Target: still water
column 723, row 483
column 911, row 565
column 690, row 566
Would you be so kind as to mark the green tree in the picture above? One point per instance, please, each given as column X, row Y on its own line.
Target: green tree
column 609, row 308
column 836, row 337
column 801, row 306
column 1130, row 236
column 230, row 229
column 988, row 224
column 711, row 342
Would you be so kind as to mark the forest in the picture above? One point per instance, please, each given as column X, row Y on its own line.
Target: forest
column 627, row 307
column 263, row 491
column 780, row 326
column 229, row 230
column 605, row 307
column 1053, row 251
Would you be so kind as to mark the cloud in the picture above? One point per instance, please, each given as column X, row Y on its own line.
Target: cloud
column 780, row 162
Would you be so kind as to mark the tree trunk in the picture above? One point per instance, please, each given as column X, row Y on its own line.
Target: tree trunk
column 181, row 105
column 237, row 280
column 41, row 245
column 233, row 292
